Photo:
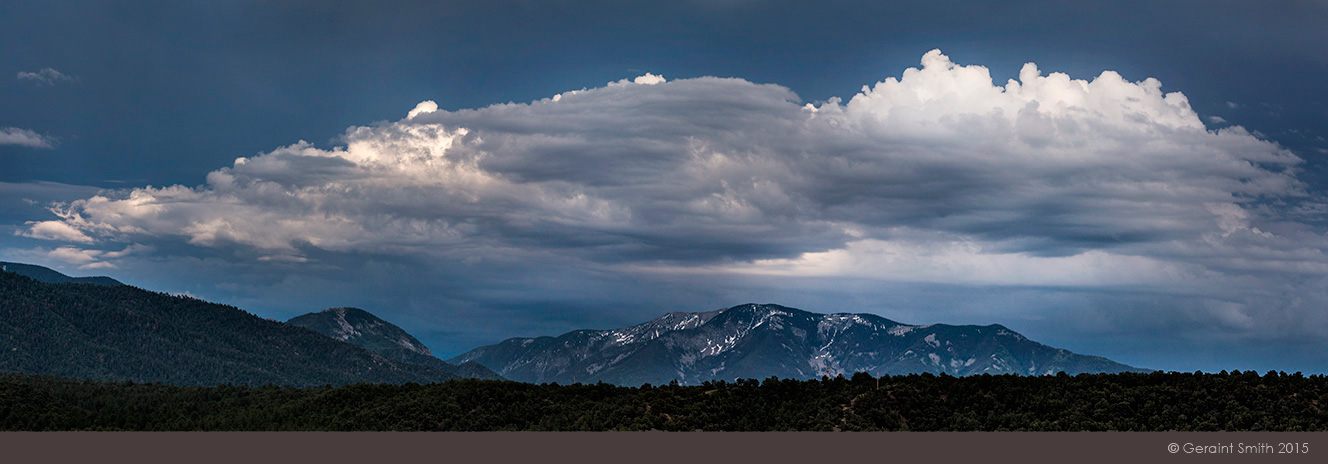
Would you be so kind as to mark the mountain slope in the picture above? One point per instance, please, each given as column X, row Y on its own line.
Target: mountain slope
column 51, row 276
column 759, row 341
column 126, row 333
column 359, row 327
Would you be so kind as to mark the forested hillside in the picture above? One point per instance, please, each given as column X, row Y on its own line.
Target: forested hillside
column 1128, row 401
column 126, row 333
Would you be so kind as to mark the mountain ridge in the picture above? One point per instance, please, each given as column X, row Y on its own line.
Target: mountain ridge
column 122, row 332
column 759, row 341
column 362, row 328
column 366, row 330
column 51, row 276
column 110, row 332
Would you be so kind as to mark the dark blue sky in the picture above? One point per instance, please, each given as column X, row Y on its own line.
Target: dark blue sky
column 164, row 93
column 180, row 88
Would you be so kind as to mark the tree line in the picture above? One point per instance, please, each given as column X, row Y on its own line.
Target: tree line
column 1125, row 402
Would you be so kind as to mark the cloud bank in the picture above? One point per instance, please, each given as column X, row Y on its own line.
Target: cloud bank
column 24, row 138
column 46, row 77
column 938, row 175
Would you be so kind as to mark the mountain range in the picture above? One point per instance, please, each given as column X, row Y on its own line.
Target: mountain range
column 119, row 332
column 763, row 340
column 98, row 328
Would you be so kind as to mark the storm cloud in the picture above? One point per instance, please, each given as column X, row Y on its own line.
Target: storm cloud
column 939, row 175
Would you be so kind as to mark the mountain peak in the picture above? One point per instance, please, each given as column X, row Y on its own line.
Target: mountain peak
column 51, row 276
column 762, row 340
column 362, row 328
column 761, row 307
column 343, row 310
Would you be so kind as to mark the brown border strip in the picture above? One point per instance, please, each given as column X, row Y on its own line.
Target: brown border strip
column 662, row 447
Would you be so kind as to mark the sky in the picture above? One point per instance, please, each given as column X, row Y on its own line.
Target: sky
column 1132, row 180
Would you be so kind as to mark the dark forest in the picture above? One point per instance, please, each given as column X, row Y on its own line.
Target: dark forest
column 1158, row 401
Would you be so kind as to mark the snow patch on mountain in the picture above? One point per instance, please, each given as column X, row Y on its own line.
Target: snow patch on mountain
column 901, row 330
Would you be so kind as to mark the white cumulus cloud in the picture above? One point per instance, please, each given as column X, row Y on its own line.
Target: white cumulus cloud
column 939, row 174
column 427, row 106
column 55, row 230
column 648, row 79
column 79, row 257
column 25, row 138
column 46, row 77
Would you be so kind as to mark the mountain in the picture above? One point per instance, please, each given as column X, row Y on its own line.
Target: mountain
column 359, row 327
column 759, row 341
column 51, row 276
column 126, row 333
